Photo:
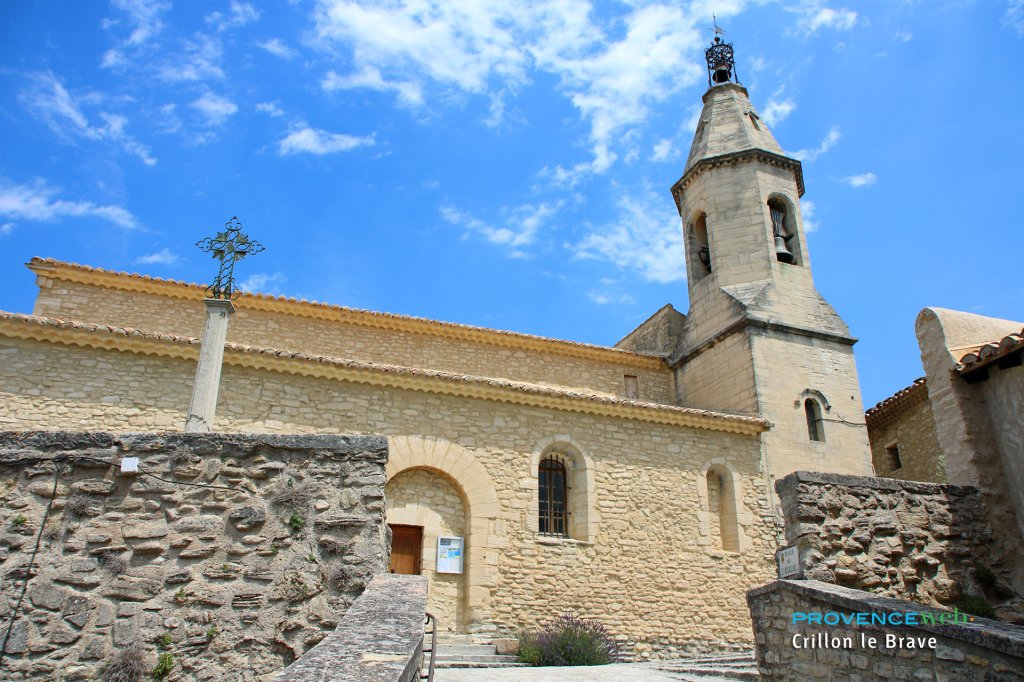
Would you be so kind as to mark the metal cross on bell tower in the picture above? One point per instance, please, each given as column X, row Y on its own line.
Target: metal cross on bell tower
column 721, row 64
column 228, row 246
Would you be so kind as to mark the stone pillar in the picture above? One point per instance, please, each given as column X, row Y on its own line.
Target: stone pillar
column 211, row 357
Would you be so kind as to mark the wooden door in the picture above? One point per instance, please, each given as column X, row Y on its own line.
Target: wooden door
column 406, row 548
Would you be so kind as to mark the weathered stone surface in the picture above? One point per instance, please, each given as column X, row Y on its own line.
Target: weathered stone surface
column 131, row 588
column 47, row 596
column 140, row 530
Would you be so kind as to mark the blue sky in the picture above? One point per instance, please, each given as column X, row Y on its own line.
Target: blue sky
column 508, row 164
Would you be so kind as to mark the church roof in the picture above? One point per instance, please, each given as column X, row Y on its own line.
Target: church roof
column 86, row 274
column 105, row 337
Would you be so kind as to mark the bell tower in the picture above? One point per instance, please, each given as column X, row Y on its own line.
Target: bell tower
column 759, row 338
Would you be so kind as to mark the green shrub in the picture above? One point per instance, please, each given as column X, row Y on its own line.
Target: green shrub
column 164, row 665
column 976, row 605
column 165, row 640
column 569, row 640
column 296, row 522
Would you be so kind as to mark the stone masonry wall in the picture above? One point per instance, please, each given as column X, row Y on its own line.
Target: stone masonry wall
column 228, row 558
column 926, row 543
column 978, row 649
column 264, row 329
column 913, row 431
column 645, row 571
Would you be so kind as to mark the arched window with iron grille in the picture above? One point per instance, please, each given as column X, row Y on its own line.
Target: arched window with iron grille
column 554, row 497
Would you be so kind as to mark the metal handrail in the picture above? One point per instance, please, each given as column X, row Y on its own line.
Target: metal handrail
column 431, row 622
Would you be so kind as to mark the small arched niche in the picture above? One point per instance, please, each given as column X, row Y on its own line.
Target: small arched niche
column 699, row 248
column 786, row 240
column 721, row 505
column 815, row 423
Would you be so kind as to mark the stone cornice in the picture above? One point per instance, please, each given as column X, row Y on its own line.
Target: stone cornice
column 82, row 274
column 735, row 158
column 64, row 332
column 766, row 326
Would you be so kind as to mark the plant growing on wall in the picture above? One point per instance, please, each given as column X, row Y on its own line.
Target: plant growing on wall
column 127, row 665
column 164, row 665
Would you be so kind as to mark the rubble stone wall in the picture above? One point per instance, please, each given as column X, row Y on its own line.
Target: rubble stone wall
column 925, row 542
column 968, row 649
column 227, row 558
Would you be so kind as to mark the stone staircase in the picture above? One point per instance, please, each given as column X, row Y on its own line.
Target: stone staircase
column 458, row 651
column 718, row 668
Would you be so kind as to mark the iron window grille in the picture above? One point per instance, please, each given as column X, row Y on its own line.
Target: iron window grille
column 554, row 497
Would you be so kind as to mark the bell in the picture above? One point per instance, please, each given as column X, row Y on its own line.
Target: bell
column 721, row 74
column 781, row 252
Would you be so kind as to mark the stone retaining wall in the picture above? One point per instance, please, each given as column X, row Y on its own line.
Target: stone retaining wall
column 927, row 543
column 977, row 649
column 229, row 557
column 380, row 638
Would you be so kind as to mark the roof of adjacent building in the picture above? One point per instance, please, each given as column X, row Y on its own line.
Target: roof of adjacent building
column 990, row 353
column 895, row 404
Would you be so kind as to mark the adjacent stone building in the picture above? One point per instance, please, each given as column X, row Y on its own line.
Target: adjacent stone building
column 632, row 484
column 964, row 421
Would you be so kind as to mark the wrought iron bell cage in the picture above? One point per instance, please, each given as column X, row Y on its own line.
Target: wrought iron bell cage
column 721, row 63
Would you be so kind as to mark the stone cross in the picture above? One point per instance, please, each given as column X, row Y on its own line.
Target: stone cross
column 228, row 247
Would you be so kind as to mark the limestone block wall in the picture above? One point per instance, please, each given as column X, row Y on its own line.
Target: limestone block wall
column 326, row 336
column 721, row 377
column 978, row 649
column 646, row 567
column 229, row 556
column 923, row 542
column 912, row 430
column 785, row 367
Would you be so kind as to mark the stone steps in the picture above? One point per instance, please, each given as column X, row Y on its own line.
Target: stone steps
column 454, row 651
column 713, row 668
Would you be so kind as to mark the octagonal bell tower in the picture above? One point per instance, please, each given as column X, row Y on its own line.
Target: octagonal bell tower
column 759, row 338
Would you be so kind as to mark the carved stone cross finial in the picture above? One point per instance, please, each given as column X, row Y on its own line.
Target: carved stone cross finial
column 228, row 246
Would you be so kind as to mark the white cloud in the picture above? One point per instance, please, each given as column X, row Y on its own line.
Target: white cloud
column 646, row 239
column 161, row 257
column 6, row 229
column 522, row 225
column 807, row 213
column 758, row 64
column 267, row 283
column 62, row 112
column 485, row 46
column 905, row 36
column 277, row 48
column 36, row 202
column 826, row 144
column 215, row 108
column 1014, row 17
column 663, row 149
column 320, row 142
column 776, row 111
column 144, row 18
column 609, row 292
column 199, row 59
column 408, row 92
column 862, row 180
column 239, row 14
column 815, row 16
column 270, row 108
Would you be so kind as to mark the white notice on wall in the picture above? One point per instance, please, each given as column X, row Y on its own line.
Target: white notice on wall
column 789, row 562
column 449, row 554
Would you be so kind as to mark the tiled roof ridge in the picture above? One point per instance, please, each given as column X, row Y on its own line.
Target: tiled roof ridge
column 991, row 352
column 38, row 260
column 520, row 387
column 901, row 399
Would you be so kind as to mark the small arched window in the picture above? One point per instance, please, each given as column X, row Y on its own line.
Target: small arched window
column 780, row 230
column 722, row 522
column 700, row 248
column 554, row 497
column 815, row 424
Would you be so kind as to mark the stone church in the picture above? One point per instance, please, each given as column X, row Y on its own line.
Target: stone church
column 527, row 476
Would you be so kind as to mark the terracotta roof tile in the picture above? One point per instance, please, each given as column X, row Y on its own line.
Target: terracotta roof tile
column 991, row 352
column 897, row 402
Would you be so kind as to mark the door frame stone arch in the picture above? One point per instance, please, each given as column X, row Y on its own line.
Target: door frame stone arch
column 486, row 533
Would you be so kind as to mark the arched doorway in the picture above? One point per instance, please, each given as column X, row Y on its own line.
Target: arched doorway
column 423, row 506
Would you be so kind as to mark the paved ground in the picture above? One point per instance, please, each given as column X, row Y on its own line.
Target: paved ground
column 619, row 672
